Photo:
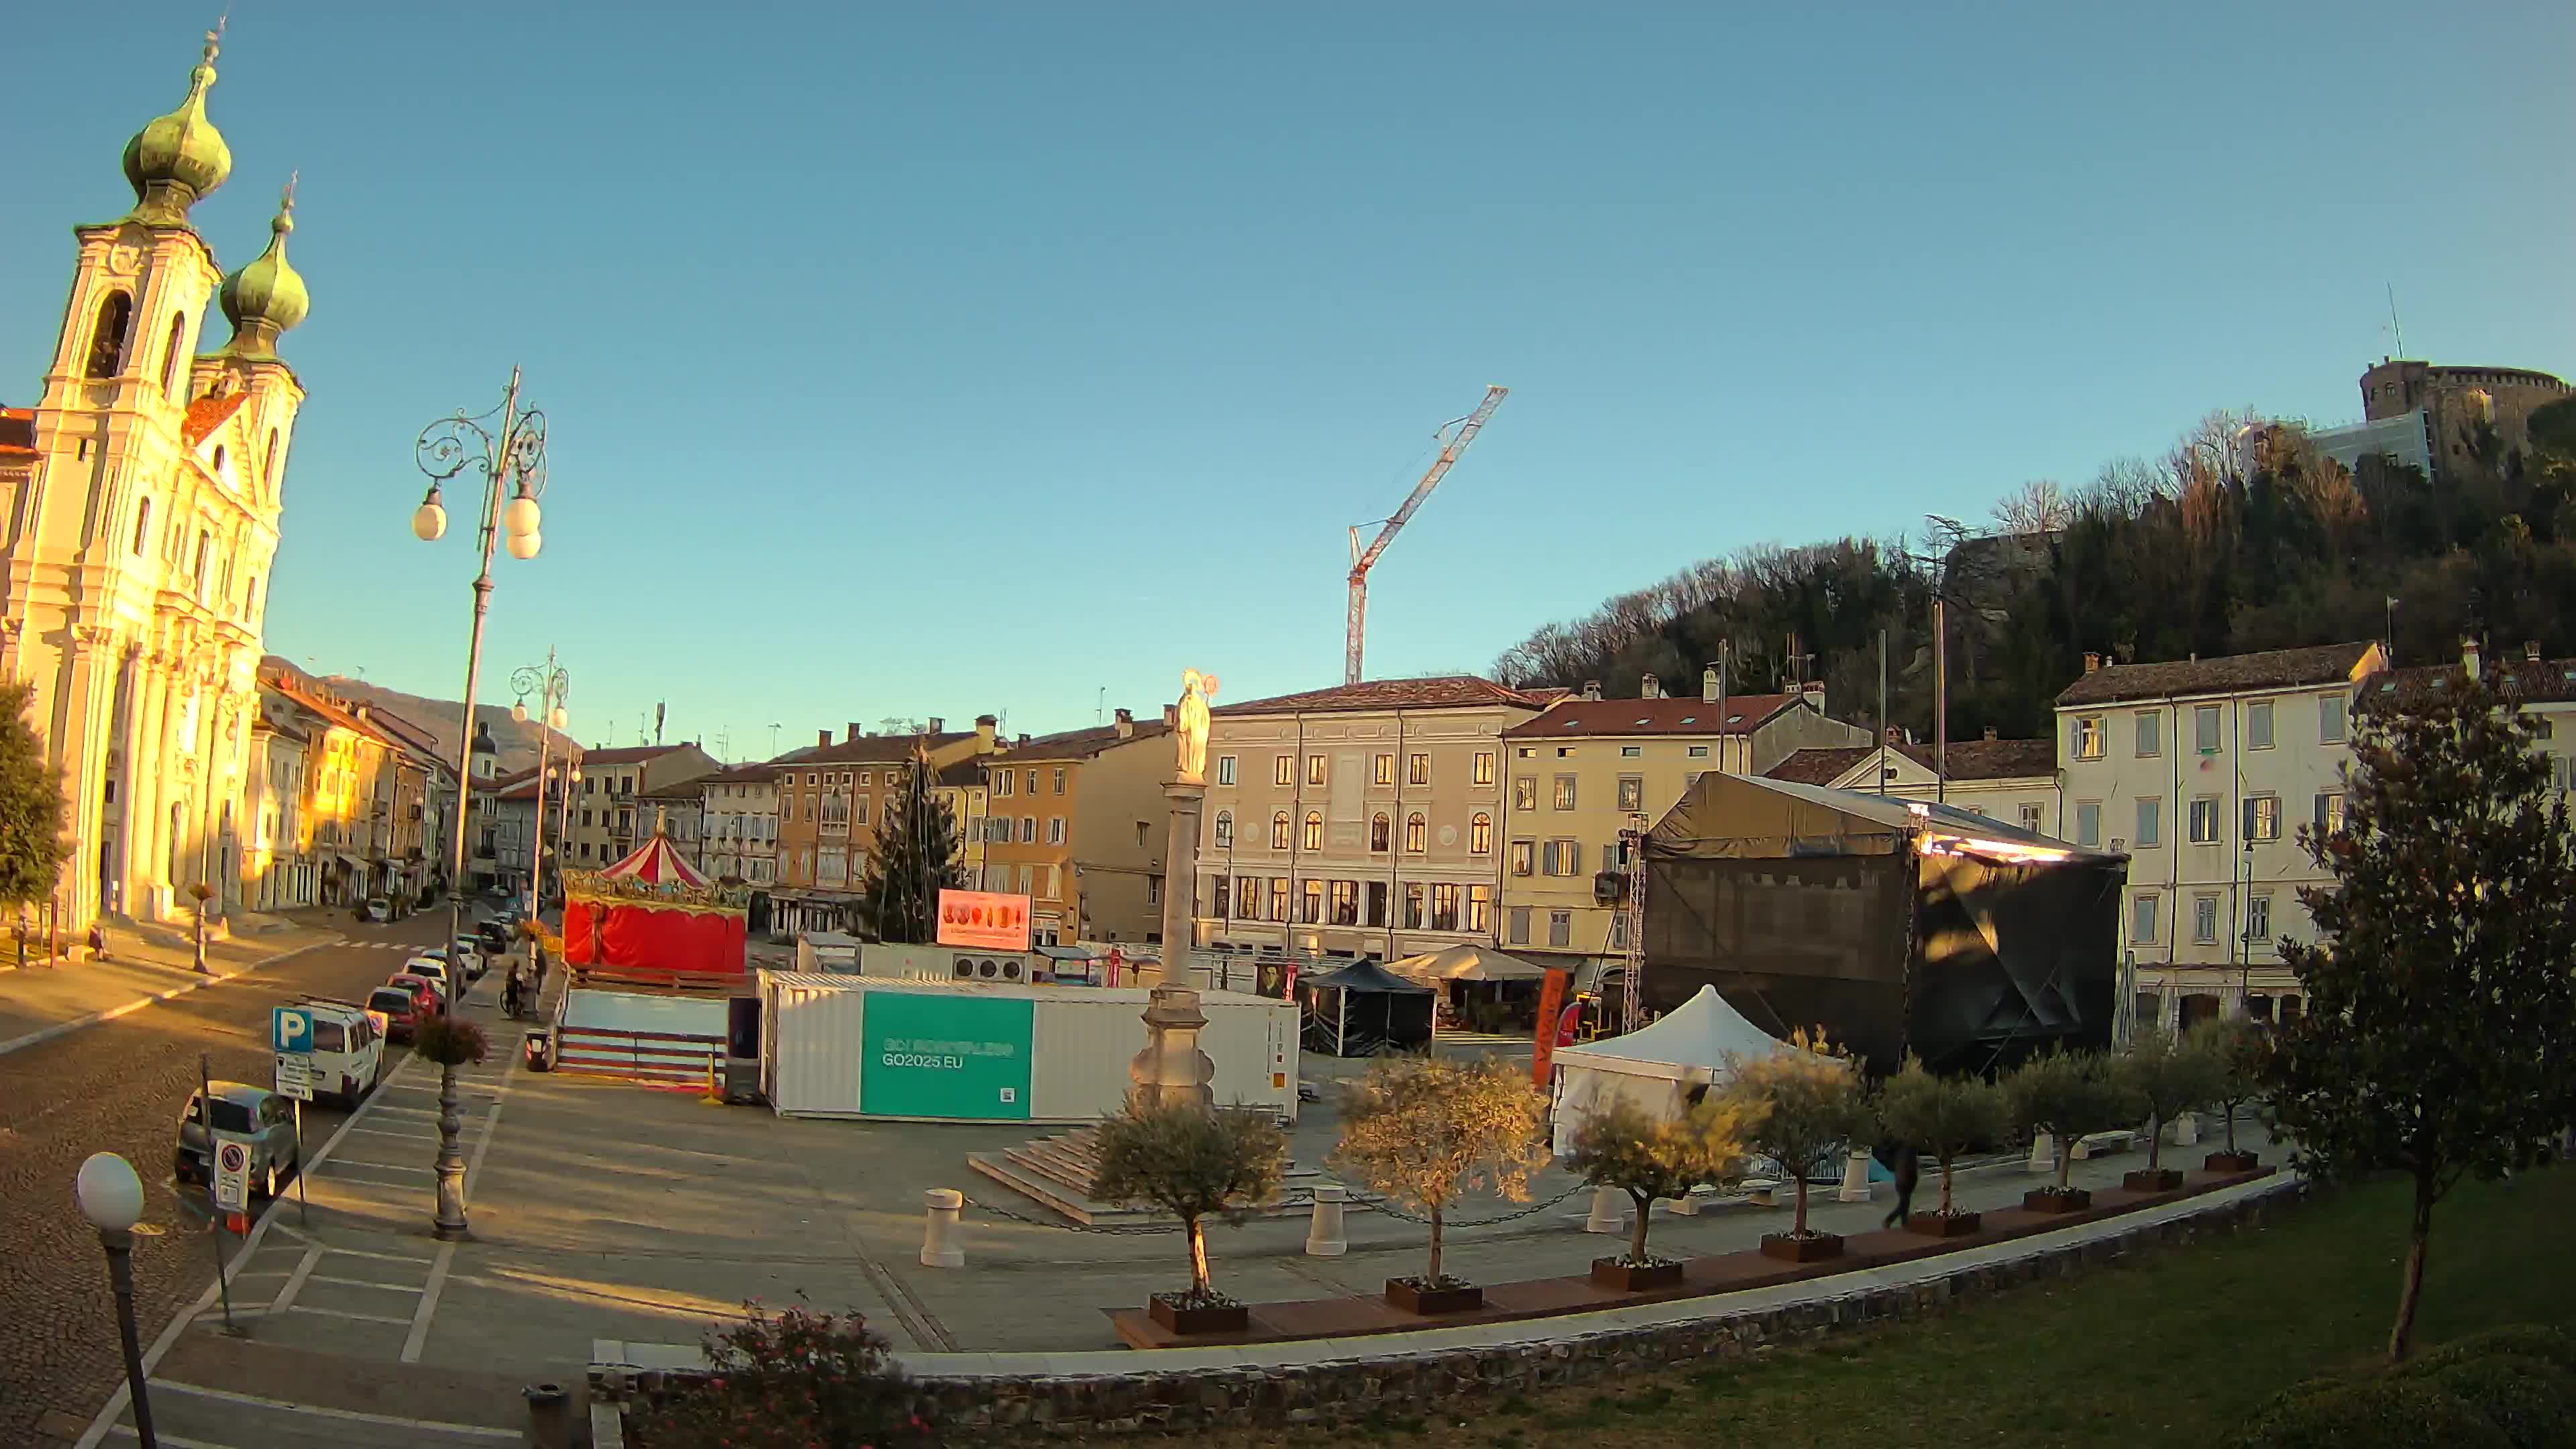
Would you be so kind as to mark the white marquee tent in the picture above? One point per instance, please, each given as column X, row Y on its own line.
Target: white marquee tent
column 1658, row 1066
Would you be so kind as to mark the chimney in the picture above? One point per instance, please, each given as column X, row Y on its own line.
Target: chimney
column 1023, row 739
column 1126, row 725
column 1990, row 732
column 1708, row 684
column 985, row 726
column 1171, row 716
column 2092, row 662
column 2531, row 650
column 938, row 726
column 1592, row 689
column 855, row 731
column 823, row 737
column 2469, row 655
column 1650, row 688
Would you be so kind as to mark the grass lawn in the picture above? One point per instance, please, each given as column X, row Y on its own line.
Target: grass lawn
column 2172, row 1349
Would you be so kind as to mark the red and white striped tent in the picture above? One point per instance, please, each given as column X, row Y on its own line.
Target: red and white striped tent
column 653, row 916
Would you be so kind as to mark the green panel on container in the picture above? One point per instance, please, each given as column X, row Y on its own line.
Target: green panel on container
column 946, row 1054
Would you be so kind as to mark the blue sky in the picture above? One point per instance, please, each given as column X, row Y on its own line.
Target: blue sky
column 948, row 358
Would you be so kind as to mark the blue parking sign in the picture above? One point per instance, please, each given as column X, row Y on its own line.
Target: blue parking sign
column 291, row 1030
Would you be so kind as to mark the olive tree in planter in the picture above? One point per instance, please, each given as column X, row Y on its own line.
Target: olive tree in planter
column 2238, row 1052
column 1191, row 1163
column 1424, row 1131
column 1942, row 1116
column 449, row 1041
column 1648, row 1157
column 2066, row 1095
column 1802, row 1108
column 2168, row 1075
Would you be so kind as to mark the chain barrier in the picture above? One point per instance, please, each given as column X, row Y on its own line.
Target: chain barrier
column 1109, row 1230
column 1390, row 1209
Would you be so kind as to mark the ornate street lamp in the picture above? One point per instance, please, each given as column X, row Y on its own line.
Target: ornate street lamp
column 111, row 1197
column 551, row 684
column 507, row 446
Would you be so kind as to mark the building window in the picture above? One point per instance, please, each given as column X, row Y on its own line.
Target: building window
column 2033, row 817
column 170, row 354
column 1247, row 898
column 1632, row 793
column 1002, row 784
column 2142, row 919
column 1417, row 770
column 1522, row 852
column 1279, row 898
column 1699, row 752
column 142, row 526
column 1480, row 834
column 1560, row 928
column 1225, row 769
column 1033, row 782
column 1484, row 767
column 1028, row 830
column 1283, row 771
column 1059, row 779
column 1569, row 857
column 1413, row 905
column 2205, row 729
column 1055, row 830
column 2330, row 721
column 1480, row 908
column 1314, row 903
column 1314, row 830
column 1279, row 831
column 2204, row 820
column 1416, row 833
column 1444, row 907
column 1346, row 903
column 2262, row 817
column 1380, row 833
column 1314, row 769
column 2151, row 734
column 1565, row 792
column 1382, row 769
column 1618, row 930
column 2258, row 725
column 2151, row 821
column 107, row 336
column 1376, row 903
column 2204, row 920
column 2084, row 740
column 2258, row 922
column 2088, row 823
column 1225, row 829
column 1524, row 793
column 1520, row 918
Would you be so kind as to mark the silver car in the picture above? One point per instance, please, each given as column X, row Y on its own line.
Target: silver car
column 266, row 1119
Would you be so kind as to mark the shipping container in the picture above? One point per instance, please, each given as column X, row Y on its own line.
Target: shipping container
column 855, row 1046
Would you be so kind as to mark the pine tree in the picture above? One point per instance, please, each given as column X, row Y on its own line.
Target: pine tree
column 916, row 858
column 2439, row 1039
column 32, row 846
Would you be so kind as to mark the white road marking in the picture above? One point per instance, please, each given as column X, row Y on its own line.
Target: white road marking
column 366, row 1283
column 344, row 1313
column 387, row 1166
column 295, row 1281
column 173, row 1440
column 482, row 1144
column 428, row 1306
column 406, row 1136
column 352, row 1416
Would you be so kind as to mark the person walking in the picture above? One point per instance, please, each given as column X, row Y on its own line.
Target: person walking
column 97, row 943
column 1907, row 1165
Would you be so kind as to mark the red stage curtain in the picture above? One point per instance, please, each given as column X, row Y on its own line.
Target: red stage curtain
column 580, row 932
column 632, row 937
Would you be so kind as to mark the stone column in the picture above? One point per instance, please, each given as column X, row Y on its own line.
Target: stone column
column 1180, row 883
column 1855, row 1186
column 88, row 734
column 1171, row 1070
column 146, row 803
column 1324, row 1233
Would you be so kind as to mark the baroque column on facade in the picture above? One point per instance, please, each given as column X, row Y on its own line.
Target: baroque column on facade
column 144, row 820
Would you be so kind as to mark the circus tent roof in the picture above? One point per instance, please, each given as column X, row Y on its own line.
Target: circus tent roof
column 656, row 863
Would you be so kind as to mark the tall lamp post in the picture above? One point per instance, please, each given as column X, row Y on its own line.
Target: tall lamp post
column 111, row 1197
column 551, row 685
column 507, row 446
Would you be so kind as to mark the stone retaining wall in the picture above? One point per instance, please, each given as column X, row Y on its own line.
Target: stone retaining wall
column 1420, row 1379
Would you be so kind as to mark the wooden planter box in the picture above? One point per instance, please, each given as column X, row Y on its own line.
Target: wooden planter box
column 1935, row 1225
column 1621, row 1277
column 1204, row 1318
column 1466, row 1298
column 2162, row 1179
column 1814, row 1248
column 2230, row 1162
column 2050, row 1200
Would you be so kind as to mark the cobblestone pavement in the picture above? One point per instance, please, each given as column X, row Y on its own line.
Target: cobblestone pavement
column 118, row 1087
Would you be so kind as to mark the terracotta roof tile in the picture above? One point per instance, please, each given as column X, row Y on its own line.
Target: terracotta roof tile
column 627, row 754
column 207, row 414
column 17, row 432
column 870, row 749
column 2533, row 681
column 1969, row 760
column 2227, row 674
column 1450, row 691
column 1595, row 718
column 1082, row 744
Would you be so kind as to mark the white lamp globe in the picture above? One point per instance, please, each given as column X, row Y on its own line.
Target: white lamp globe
column 521, row 517
column 525, row 545
column 429, row 522
column 519, row 711
column 109, row 1193
column 558, row 718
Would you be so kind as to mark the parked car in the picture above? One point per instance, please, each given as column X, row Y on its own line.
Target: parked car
column 467, row 952
column 499, row 934
column 348, row 1052
column 376, row 911
column 400, row 1006
column 262, row 1116
column 426, row 1002
column 434, row 966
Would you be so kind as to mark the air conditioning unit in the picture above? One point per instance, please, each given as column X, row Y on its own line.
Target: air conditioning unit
column 1609, row 887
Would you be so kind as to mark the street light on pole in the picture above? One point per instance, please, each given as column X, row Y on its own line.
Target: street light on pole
column 551, row 685
column 111, row 1197
column 508, row 447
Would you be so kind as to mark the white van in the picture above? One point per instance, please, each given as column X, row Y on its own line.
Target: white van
column 348, row 1050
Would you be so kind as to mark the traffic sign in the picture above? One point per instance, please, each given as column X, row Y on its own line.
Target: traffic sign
column 295, row 1077
column 290, row 1030
column 232, row 1175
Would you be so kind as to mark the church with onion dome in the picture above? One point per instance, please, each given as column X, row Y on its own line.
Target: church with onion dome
column 141, row 497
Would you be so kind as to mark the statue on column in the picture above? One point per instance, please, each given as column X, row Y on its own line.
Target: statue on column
column 1189, row 735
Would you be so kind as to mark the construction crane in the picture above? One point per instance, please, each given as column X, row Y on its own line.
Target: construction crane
column 1362, row 560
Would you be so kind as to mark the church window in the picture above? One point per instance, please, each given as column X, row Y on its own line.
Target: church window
column 205, row 545
column 107, row 339
column 250, row 598
column 170, row 353
column 142, row 526
column 219, row 459
column 268, row 465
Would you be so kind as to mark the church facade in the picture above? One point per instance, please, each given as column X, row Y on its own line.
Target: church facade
column 140, row 499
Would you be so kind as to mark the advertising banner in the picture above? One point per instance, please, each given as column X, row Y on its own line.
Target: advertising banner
column 984, row 919
column 1551, row 1005
column 946, row 1054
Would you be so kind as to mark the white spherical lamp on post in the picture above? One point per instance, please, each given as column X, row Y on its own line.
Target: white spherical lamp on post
column 111, row 1197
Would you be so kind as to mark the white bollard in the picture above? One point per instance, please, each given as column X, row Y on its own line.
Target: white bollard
column 1324, row 1233
column 1855, row 1186
column 2043, row 1153
column 939, row 1228
column 1607, row 1211
column 2186, row 1129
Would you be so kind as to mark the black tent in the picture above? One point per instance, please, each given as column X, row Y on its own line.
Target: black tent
column 1895, row 925
column 1363, row 1009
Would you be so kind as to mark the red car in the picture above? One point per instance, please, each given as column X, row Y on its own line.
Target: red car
column 399, row 1006
column 427, row 1001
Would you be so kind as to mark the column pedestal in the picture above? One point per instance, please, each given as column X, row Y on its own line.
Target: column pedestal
column 1180, row 883
column 1855, row 1186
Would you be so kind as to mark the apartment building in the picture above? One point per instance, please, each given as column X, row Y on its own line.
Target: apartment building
column 1077, row 822
column 608, row 820
column 505, row 820
column 278, row 871
column 2202, row 771
column 2546, row 689
column 1588, row 767
column 364, row 801
column 962, row 788
column 1361, row 820
column 2014, row 781
column 739, row 838
column 831, row 800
